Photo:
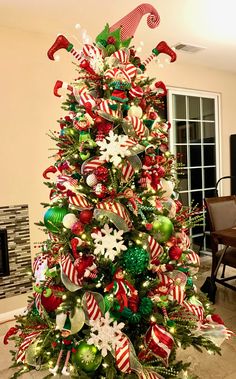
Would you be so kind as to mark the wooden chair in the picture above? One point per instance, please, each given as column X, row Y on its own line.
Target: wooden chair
column 221, row 213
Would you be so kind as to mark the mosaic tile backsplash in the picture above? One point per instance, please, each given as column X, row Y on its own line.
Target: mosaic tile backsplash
column 16, row 220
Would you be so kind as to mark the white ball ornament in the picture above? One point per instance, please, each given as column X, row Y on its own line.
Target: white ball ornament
column 91, row 180
column 69, row 220
column 135, row 110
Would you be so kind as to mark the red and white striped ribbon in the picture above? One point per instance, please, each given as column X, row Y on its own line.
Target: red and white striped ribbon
column 159, row 342
column 79, row 201
column 155, row 248
column 63, row 179
column 85, row 97
column 138, row 126
column 196, row 310
column 136, row 91
column 104, row 107
column 38, row 303
column 122, row 354
column 70, row 271
column 91, row 50
column 127, row 171
column 91, row 165
column 117, row 209
column 93, row 309
column 145, row 374
column 177, row 293
column 29, row 339
column 193, row 258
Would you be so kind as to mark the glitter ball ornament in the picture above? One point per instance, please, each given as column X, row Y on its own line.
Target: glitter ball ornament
column 91, row 180
column 53, row 218
column 77, row 228
column 101, row 174
column 87, row 357
column 86, row 216
column 175, row 253
column 135, row 260
column 162, row 228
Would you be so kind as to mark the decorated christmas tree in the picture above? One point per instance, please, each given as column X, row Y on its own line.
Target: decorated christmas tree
column 114, row 293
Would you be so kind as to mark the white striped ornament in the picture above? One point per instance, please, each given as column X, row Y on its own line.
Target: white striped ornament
column 29, row 339
column 93, row 309
column 138, row 126
column 122, row 355
column 155, row 248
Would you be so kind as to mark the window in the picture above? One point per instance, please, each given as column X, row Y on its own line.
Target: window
column 194, row 140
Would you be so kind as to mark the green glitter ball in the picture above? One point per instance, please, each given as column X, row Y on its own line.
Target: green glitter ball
column 135, row 260
column 162, row 229
column 53, row 218
column 133, row 318
column 146, row 306
column 87, row 357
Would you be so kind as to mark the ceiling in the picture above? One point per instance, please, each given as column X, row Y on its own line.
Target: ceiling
column 207, row 23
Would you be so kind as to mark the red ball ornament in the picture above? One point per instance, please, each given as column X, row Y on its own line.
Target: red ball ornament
column 111, row 40
column 101, row 174
column 77, row 228
column 148, row 227
column 52, row 302
column 86, row 216
column 98, row 120
column 175, row 253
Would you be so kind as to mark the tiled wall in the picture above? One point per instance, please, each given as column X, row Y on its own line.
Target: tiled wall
column 16, row 220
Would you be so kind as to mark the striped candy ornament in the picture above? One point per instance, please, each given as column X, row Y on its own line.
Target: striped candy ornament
column 122, row 354
column 138, row 127
column 159, row 342
column 155, row 249
column 121, row 55
column 38, row 303
column 91, row 165
column 117, row 213
column 196, row 310
column 29, row 339
column 131, row 70
column 92, row 307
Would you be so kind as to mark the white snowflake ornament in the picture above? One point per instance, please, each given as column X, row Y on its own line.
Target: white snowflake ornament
column 109, row 242
column 105, row 334
column 113, row 148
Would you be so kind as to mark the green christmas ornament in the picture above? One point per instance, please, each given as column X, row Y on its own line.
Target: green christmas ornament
column 162, row 228
column 146, row 306
column 87, row 357
column 135, row 260
column 53, row 218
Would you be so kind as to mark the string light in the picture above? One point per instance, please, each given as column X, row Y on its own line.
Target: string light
column 105, row 365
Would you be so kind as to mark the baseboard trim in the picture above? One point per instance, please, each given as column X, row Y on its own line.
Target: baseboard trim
column 10, row 315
